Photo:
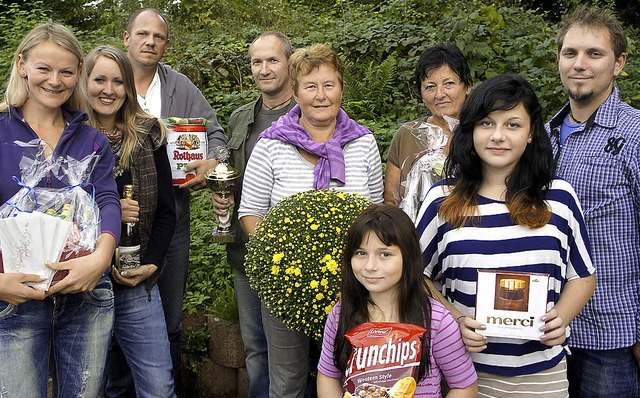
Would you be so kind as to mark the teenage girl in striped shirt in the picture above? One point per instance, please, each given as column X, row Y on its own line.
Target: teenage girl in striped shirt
column 503, row 209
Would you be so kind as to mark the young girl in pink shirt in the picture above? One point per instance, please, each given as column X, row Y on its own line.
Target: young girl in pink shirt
column 382, row 282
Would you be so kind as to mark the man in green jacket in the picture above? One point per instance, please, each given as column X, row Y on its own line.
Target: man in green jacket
column 269, row 54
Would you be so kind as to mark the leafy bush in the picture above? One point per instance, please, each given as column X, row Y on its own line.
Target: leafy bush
column 14, row 22
column 209, row 276
column 379, row 41
column 195, row 344
column 224, row 306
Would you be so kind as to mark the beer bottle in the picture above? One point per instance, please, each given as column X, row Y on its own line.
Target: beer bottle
column 128, row 252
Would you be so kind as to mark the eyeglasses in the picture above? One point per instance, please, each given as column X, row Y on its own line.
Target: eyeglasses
column 431, row 88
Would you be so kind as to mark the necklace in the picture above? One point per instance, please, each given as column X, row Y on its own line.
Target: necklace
column 574, row 118
column 114, row 136
column 270, row 108
column 115, row 141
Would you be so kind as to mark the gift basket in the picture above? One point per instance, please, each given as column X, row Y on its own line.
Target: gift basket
column 40, row 224
column 426, row 165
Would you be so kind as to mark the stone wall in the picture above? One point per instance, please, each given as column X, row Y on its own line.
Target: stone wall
column 224, row 374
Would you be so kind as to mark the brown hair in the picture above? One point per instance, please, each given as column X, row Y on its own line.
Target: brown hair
column 288, row 48
column 594, row 18
column 528, row 182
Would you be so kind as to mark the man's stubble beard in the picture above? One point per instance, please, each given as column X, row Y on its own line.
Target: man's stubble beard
column 581, row 98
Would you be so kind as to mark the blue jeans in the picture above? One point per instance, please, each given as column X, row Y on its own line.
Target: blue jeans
column 77, row 327
column 140, row 334
column 608, row 373
column 250, row 313
column 288, row 358
column 173, row 280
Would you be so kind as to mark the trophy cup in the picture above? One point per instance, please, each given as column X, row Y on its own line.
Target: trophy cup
column 222, row 180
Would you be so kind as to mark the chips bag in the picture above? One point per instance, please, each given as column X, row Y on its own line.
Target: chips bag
column 384, row 361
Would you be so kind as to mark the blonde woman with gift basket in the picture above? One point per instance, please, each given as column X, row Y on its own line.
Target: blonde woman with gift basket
column 72, row 320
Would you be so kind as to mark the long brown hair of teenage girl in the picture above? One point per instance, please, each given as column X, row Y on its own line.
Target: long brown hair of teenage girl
column 528, row 183
column 394, row 228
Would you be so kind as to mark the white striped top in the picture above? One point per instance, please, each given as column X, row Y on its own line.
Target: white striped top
column 453, row 255
column 276, row 169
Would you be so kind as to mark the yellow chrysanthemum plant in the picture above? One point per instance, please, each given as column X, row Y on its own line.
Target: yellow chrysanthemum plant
column 294, row 258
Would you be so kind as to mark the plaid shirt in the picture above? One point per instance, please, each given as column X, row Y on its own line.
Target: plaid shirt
column 602, row 163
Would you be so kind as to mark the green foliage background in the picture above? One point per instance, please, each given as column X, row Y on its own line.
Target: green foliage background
column 378, row 40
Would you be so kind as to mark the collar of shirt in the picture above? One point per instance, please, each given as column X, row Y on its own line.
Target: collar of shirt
column 601, row 164
column 152, row 101
column 605, row 115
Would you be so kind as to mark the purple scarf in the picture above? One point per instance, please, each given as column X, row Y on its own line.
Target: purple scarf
column 330, row 164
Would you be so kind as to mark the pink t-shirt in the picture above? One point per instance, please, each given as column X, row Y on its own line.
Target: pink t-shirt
column 447, row 353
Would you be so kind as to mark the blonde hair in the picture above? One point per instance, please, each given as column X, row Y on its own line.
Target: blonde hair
column 17, row 92
column 306, row 59
column 131, row 119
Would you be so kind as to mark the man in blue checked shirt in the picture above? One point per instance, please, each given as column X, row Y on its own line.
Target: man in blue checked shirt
column 596, row 144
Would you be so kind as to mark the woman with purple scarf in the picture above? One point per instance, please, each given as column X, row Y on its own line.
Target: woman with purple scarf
column 315, row 146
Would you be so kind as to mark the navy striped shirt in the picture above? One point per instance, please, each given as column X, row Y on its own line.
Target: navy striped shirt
column 602, row 163
column 453, row 255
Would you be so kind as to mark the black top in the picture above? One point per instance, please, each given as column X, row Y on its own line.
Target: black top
column 164, row 218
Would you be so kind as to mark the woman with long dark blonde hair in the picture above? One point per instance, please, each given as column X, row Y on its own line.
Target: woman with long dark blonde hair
column 138, row 142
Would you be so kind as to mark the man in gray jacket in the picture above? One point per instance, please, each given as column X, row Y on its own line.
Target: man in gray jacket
column 163, row 92
column 269, row 54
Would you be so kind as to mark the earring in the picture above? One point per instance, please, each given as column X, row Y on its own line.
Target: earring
column 529, row 140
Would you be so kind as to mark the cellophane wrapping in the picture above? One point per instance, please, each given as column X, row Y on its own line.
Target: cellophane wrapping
column 74, row 202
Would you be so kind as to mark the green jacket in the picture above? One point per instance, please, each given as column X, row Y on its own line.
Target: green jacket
column 239, row 127
column 240, row 123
